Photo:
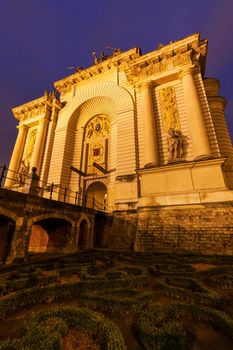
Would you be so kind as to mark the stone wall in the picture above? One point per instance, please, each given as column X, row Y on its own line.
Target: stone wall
column 206, row 229
column 119, row 230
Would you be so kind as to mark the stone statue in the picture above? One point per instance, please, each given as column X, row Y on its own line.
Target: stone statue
column 116, row 52
column 23, row 172
column 96, row 60
column 175, row 144
column 102, row 58
column 90, row 130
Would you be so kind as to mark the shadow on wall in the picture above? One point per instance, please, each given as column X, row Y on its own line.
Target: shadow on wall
column 49, row 235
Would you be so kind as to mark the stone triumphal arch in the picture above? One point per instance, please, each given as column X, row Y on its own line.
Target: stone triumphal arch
column 134, row 134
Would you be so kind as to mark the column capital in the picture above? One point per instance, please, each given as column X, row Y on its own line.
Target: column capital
column 43, row 121
column 187, row 71
column 146, row 85
column 22, row 127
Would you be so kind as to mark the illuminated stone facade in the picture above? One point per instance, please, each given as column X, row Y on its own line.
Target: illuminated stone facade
column 133, row 130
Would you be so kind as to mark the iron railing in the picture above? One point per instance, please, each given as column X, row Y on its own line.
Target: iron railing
column 23, row 183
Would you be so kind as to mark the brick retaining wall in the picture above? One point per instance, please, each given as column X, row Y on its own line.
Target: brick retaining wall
column 204, row 229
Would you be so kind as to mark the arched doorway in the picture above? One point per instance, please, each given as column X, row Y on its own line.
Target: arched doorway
column 83, row 235
column 49, row 235
column 7, row 227
column 96, row 196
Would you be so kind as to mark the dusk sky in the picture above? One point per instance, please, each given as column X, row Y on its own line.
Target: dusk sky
column 41, row 38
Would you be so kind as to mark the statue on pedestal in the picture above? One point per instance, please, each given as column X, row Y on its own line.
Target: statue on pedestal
column 23, row 172
column 175, row 144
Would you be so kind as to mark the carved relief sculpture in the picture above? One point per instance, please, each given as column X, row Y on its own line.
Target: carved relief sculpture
column 175, row 144
column 98, row 126
column 169, row 109
column 96, row 153
column 30, row 145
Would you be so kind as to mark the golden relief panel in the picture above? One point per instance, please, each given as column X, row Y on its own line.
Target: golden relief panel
column 98, row 126
column 30, row 145
column 96, row 153
column 170, row 116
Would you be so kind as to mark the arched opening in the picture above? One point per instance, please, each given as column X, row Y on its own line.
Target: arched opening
column 100, row 232
column 96, row 196
column 83, row 235
column 7, row 227
column 49, row 235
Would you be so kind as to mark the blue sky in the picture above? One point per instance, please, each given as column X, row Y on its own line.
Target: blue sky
column 40, row 38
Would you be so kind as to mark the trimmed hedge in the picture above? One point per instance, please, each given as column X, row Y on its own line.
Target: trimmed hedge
column 154, row 325
column 46, row 330
column 31, row 281
column 190, row 290
column 221, row 281
column 116, row 300
column 53, row 292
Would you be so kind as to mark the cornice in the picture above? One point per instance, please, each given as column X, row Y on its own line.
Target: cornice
column 182, row 165
column 174, row 57
column 96, row 69
column 177, row 55
column 35, row 107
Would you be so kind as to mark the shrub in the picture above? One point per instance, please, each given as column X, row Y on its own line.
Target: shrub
column 116, row 299
column 53, row 292
column 190, row 290
column 46, row 330
column 155, row 323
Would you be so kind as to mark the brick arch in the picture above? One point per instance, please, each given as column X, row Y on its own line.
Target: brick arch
column 89, row 237
column 9, row 214
column 50, row 233
column 50, row 216
column 83, row 217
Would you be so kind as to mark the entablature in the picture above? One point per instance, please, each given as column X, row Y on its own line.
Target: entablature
column 34, row 108
column 96, row 69
column 169, row 60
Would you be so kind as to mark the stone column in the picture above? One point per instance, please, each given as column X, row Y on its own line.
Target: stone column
column 217, row 105
column 150, row 139
column 16, row 155
column 38, row 150
column 196, row 121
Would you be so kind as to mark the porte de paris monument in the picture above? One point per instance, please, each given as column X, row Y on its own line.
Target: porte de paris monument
column 144, row 136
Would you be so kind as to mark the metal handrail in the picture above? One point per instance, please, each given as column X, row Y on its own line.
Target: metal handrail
column 51, row 190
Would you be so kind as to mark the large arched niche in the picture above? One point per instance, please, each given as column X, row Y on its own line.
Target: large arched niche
column 121, row 98
column 73, row 148
column 104, row 98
